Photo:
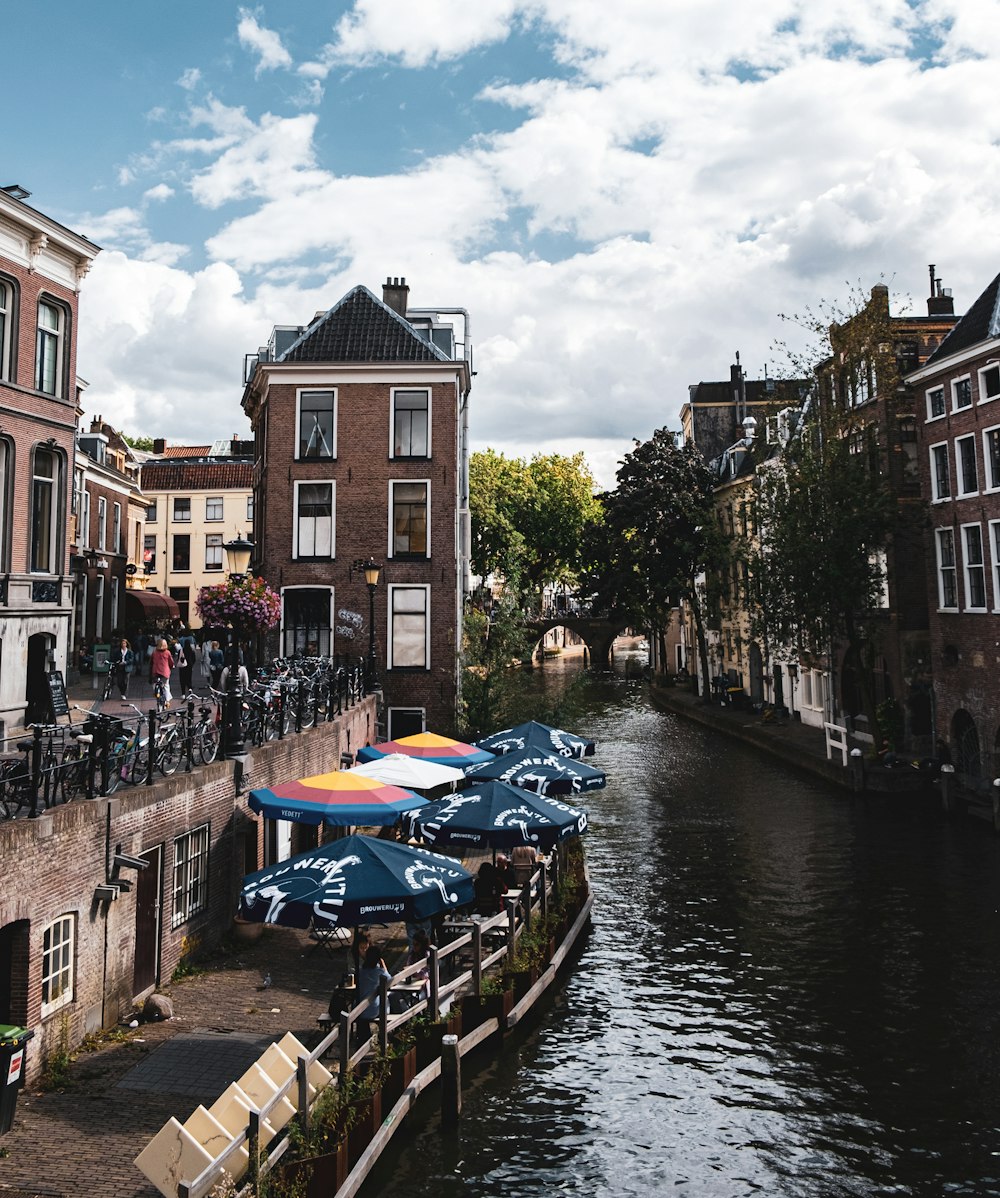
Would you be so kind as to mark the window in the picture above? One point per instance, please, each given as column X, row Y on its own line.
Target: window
column 213, row 551
column 317, row 424
column 409, row 505
column 115, row 602
column 57, row 964
column 151, row 512
column 250, row 509
column 102, row 522
column 213, row 508
column 406, row 721
column 182, row 597
column 190, row 875
column 116, row 528
column 965, row 459
column 314, row 527
column 44, row 511
column 975, row 569
column 409, row 628
column 148, row 553
column 6, row 328
column 991, row 458
column 6, row 456
column 989, row 382
column 99, row 582
column 182, row 511
column 182, row 551
column 961, row 394
column 83, row 537
column 306, row 624
column 940, row 472
column 49, row 349
column 935, row 403
column 411, row 426
column 947, row 585
column 995, row 553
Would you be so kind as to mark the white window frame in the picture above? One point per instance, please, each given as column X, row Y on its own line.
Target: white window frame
column 55, row 520
column 189, row 879
column 942, row 568
column 990, row 367
column 935, row 453
column 970, row 566
column 963, row 490
column 215, row 499
column 250, row 509
column 299, row 393
column 149, row 536
column 214, row 544
column 994, row 535
column 988, row 475
column 58, row 964
column 115, row 602
column 7, row 309
column 182, row 519
column 345, row 630
column 83, row 533
column 408, row 482
column 116, row 528
column 391, row 613
column 409, row 457
column 390, row 720
column 314, row 482
column 931, row 414
column 151, row 511
column 100, row 582
column 102, row 522
column 44, row 336
column 955, row 383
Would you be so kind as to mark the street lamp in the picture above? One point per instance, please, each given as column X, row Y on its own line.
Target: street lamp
column 372, row 569
column 238, row 553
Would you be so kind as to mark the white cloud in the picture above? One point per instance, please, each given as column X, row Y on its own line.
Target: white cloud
column 190, row 79
column 161, row 191
column 265, row 43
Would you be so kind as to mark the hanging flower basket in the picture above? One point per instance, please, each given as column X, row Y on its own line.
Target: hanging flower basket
column 247, row 603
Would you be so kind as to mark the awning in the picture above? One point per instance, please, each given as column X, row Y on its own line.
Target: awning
column 150, row 607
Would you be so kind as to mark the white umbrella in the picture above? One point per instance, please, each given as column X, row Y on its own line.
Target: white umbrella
column 397, row 769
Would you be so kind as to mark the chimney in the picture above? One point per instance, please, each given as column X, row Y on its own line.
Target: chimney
column 159, row 445
column 394, row 295
column 940, row 301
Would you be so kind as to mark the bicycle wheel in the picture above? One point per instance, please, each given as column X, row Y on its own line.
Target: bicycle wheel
column 306, row 706
column 118, row 764
column 73, row 774
column 169, row 756
column 206, row 744
column 138, row 761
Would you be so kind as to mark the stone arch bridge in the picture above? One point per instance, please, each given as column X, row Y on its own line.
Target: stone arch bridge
column 597, row 632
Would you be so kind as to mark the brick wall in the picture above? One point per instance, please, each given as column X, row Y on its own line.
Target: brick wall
column 53, row 864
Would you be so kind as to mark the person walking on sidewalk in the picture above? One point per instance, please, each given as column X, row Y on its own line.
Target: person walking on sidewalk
column 121, row 666
column 186, row 657
column 160, row 668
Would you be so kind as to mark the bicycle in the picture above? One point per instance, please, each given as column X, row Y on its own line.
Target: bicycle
column 205, row 734
column 161, row 688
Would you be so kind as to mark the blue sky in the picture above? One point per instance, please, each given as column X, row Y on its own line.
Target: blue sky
column 622, row 197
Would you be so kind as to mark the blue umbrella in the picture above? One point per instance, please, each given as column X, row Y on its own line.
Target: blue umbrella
column 537, row 736
column 354, row 881
column 534, row 770
column 497, row 816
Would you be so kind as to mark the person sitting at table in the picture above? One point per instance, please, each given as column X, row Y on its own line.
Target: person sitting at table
column 524, row 858
column 372, row 969
column 488, row 889
column 505, row 871
column 359, row 947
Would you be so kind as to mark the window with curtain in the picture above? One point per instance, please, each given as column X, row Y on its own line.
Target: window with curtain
column 409, row 519
column 314, row 531
column 44, row 505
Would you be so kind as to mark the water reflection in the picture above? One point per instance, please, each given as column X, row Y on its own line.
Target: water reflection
column 784, row 992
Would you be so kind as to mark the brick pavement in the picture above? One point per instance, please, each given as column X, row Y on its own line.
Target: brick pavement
column 81, row 1141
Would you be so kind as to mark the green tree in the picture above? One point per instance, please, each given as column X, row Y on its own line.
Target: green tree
column 142, row 443
column 528, row 518
column 659, row 534
column 495, row 640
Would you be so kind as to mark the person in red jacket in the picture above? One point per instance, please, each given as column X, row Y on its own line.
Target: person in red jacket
column 161, row 666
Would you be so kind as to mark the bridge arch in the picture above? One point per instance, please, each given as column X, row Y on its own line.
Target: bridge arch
column 597, row 633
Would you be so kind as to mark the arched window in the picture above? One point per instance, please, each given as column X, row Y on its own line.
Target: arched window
column 7, row 337
column 50, row 339
column 44, row 512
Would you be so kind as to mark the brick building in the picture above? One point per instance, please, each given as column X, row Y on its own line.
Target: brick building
column 956, row 398
column 42, row 266
column 360, row 421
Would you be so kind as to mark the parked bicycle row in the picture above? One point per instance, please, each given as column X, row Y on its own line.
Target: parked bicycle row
column 95, row 755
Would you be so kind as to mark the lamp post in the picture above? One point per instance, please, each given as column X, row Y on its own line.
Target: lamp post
column 372, row 569
column 238, row 553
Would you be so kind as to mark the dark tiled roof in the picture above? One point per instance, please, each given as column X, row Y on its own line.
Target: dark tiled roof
column 757, row 391
column 200, row 476
column 361, row 328
column 980, row 323
column 186, row 451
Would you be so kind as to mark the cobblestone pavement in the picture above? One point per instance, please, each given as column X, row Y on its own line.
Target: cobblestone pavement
column 79, row 1141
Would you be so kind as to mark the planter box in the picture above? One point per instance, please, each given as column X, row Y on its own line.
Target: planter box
column 323, row 1175
column 367, row 1120
column 402, row 1070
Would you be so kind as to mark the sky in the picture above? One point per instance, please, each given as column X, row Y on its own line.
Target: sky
column 622, row 195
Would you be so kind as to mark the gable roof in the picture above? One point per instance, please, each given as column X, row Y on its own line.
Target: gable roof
column 980, row 323
column 361, row 328
column 220, row 475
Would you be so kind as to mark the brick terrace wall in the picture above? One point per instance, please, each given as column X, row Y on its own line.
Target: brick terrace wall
column 52, row 865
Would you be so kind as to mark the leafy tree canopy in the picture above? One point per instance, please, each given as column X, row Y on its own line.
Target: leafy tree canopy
column 143, row 443
column 528, row 517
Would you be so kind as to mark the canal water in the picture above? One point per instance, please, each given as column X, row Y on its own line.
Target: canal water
column 785, row 992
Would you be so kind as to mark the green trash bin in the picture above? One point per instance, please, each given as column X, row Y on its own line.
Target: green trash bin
column 12, row 1059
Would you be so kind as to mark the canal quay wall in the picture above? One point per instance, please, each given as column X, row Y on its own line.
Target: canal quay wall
column 128, row 929
column 804, row 748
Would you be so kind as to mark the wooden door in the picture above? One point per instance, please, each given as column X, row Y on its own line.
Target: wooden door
column 147, row 922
